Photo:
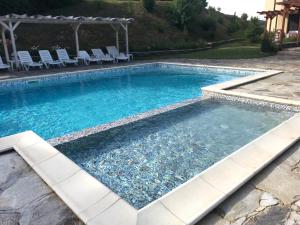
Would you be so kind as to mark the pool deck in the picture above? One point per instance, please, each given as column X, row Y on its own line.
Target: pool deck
column 272, row 197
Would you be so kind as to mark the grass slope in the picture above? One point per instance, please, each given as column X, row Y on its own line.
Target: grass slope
column 149, row 31
column 238, row 50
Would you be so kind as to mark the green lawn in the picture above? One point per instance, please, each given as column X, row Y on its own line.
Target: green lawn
column 241, row 50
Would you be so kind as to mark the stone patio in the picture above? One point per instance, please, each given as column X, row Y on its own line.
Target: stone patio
column 271, row 198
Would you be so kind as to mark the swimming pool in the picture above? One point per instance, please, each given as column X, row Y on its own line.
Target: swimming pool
column 60, row 104
column 144, row 160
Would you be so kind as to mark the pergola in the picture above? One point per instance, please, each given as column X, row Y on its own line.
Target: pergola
column 269, row 15
column 289, row 6
column 12, row 21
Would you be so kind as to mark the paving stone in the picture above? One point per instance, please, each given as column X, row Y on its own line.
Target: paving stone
column 273, row 216
column 297, row 203
column 27, row 188
column 294, row 219
column 244, row 202
column 9, row 218
column 280, row 182
column 11, row 167
column 26, row 200
column 213, row 219
column 48, row 209
column 240, row 221
column 267, row 200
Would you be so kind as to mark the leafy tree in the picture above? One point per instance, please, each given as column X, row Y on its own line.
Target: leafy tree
column 149, row 5
column 244, row 17
column 234, row 25
column 254, row 30
column 32, row 6
column 185, row 11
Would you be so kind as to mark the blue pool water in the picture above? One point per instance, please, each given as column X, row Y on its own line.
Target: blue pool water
column 144, row 160
column 55, row 108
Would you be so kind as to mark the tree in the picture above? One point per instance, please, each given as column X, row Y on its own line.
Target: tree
column 254, row 30
column 234, row 25
column 149, row 5
column 185, row 11
column 244, row 17
column 32, row 6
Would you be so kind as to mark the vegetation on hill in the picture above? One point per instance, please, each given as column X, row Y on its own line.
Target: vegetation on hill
column 236, row 50
column 167, row 25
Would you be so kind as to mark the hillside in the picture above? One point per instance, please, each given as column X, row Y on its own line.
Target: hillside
column 149, row 31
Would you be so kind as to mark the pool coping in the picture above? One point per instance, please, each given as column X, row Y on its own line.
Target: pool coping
column 94, row 203
column 127, row 66
column 226, row 90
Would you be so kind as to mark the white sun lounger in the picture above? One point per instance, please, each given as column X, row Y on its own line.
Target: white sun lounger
column 83, row 55
column 47, row 59
column 98, row 53
column 3, row 66
column 26, row 60
column 114, row 52
column 65, row 58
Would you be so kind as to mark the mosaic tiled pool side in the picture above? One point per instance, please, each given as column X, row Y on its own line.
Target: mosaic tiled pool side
column 146, row 159
column 53, row 79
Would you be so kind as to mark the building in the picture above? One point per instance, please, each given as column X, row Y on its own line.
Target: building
column 291, row 20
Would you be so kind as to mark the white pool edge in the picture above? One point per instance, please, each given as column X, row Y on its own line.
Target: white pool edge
column 94, row 203
column 225, row 91
column 129, row 66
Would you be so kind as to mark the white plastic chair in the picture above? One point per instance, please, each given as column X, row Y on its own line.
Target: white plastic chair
column 3, row 66
column 47, row 59
column 65, row 58
column 26, row 60
column 114, row 52
column 83, row 55
column 98, row 53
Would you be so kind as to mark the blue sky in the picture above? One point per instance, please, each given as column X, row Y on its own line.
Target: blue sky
column 239, row 6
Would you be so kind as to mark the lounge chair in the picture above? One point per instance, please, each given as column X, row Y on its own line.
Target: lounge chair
column 3, row 66
column 64, row 57
column 47, row 59
column 98, row 53
column 26, row 60
column 83, row 55
column 114, row 52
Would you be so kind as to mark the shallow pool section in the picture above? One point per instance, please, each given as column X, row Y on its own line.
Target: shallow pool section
column 144, row 160
column 53, row 106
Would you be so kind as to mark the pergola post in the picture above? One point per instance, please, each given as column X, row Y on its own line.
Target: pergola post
column 13, row 41
column 298, row 35
column 284, row 15
column 125, row 27
column 266, row 28
column 117, row 39
column 11, row 29
column 75, row 29
column 116, row 29
column 5, row 45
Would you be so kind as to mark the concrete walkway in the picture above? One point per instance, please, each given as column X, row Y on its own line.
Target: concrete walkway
column 271, row 198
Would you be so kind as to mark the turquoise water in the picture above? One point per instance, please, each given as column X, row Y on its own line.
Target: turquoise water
column 55, row 110
column 144, row 160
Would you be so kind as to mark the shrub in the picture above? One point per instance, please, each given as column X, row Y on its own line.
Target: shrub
column 185, row 11
column 268, row 46
column 149, row 5
column 254, row 30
